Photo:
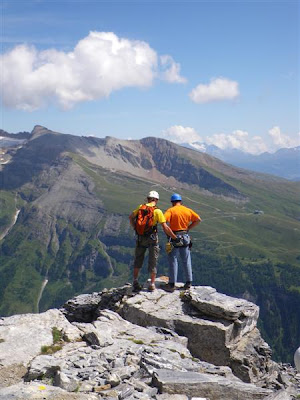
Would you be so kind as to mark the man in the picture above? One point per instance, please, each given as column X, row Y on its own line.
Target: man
column 181, row 220
column 148, row 240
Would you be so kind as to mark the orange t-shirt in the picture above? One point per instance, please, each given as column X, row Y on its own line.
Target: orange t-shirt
column 180, row 217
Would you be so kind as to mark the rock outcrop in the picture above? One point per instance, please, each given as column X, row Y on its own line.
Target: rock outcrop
column 119, row 345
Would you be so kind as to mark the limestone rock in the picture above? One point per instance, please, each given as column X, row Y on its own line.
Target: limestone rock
column 297, row 359
column 39, row 391
column 216, row 339
column 163, row 346
column 212, row 387
column 24, row 335
column 82, row 308
column 280, row 395
column 211, row 303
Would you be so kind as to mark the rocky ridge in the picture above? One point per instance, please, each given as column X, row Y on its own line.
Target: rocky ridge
column 119, row 345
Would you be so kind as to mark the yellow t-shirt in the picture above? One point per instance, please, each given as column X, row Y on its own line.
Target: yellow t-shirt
column 180, row 217
column 158, row 214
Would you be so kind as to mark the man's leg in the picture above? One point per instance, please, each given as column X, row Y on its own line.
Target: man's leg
column 185, row 256
column 138, row 263
column 152, row 263
column 173, row 266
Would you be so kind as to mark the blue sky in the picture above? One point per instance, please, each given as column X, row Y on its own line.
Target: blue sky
column 223, row 72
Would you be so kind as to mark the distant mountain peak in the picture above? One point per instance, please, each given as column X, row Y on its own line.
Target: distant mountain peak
column 284, row 162
column 40, row 130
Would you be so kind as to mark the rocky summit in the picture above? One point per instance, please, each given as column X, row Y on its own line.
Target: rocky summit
column 197, row 344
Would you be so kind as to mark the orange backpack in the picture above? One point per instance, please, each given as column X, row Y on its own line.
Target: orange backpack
column 144, row 220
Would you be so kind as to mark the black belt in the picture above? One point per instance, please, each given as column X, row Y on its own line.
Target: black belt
column 183, row 231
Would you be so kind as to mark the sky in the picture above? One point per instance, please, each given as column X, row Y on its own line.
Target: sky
column 220, row 72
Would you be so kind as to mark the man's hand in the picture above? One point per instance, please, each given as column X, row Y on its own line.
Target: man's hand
column 168, row 231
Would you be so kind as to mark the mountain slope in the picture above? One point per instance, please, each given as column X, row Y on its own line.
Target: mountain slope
column 72, row 196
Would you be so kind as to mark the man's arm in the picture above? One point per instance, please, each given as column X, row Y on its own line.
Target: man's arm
column 193, row 224
column 168, row 231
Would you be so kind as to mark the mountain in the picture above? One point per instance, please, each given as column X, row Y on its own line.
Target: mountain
column 123, row 345
column 65, row 202
column 284, row 162
column 12, row 139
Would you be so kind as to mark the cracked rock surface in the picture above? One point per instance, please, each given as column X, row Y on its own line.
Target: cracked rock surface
column 198, row 344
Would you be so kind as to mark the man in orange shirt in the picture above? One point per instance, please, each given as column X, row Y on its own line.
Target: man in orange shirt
column 181, row 220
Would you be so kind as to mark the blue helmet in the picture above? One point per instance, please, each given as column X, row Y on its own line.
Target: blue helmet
column 176, row 197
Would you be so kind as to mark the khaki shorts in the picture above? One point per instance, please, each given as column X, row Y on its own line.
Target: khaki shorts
column 142, row 244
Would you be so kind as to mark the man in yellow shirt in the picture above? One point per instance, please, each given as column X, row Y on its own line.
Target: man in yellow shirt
column 148, row 240
column 181, row 220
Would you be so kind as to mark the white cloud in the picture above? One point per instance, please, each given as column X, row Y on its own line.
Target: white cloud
column 181, row 134
column 238, row 139
column 172, row 70
column 281, row 140
column 99, row 64
column 218, row 89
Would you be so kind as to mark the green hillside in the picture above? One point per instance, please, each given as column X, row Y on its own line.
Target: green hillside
column 73, row 231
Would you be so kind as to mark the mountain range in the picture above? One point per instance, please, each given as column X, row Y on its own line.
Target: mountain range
column 64, row 225
column 284, row 162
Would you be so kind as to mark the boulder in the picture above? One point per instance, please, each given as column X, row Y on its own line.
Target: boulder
column 82, row 308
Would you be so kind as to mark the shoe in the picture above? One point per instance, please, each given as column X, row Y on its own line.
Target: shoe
column 151, row 287
column 187, row 286
column 136, row 287
column 169, row 287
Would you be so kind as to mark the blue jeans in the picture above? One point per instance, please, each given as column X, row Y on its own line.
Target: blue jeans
column 185, row 255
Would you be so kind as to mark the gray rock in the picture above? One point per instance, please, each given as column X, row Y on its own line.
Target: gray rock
column 43, row 366
column 95, row 339
column 167, row 396
column 82, row 308
column 39, row 391
column 24, row 335
column 204, row 385
column 218, row 340
column 113, row 379
column 156, row 341
column 209, row 302
column 65, row 382
column 280, row 395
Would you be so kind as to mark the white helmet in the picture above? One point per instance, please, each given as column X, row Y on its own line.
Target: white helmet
column 153, row 194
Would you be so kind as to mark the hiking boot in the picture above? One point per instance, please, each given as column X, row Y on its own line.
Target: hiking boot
column 170, row 287
column 151, row 287
column 136, row 287
column 187, row 286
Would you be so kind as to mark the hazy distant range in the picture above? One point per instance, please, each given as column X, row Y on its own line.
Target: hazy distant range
column 284, row 162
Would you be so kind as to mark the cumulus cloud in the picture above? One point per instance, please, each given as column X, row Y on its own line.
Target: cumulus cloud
column 181, row 134
column 100, row 63
column 171, row 71
column 239, row 140
column 281, row 140
column 218, row 89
